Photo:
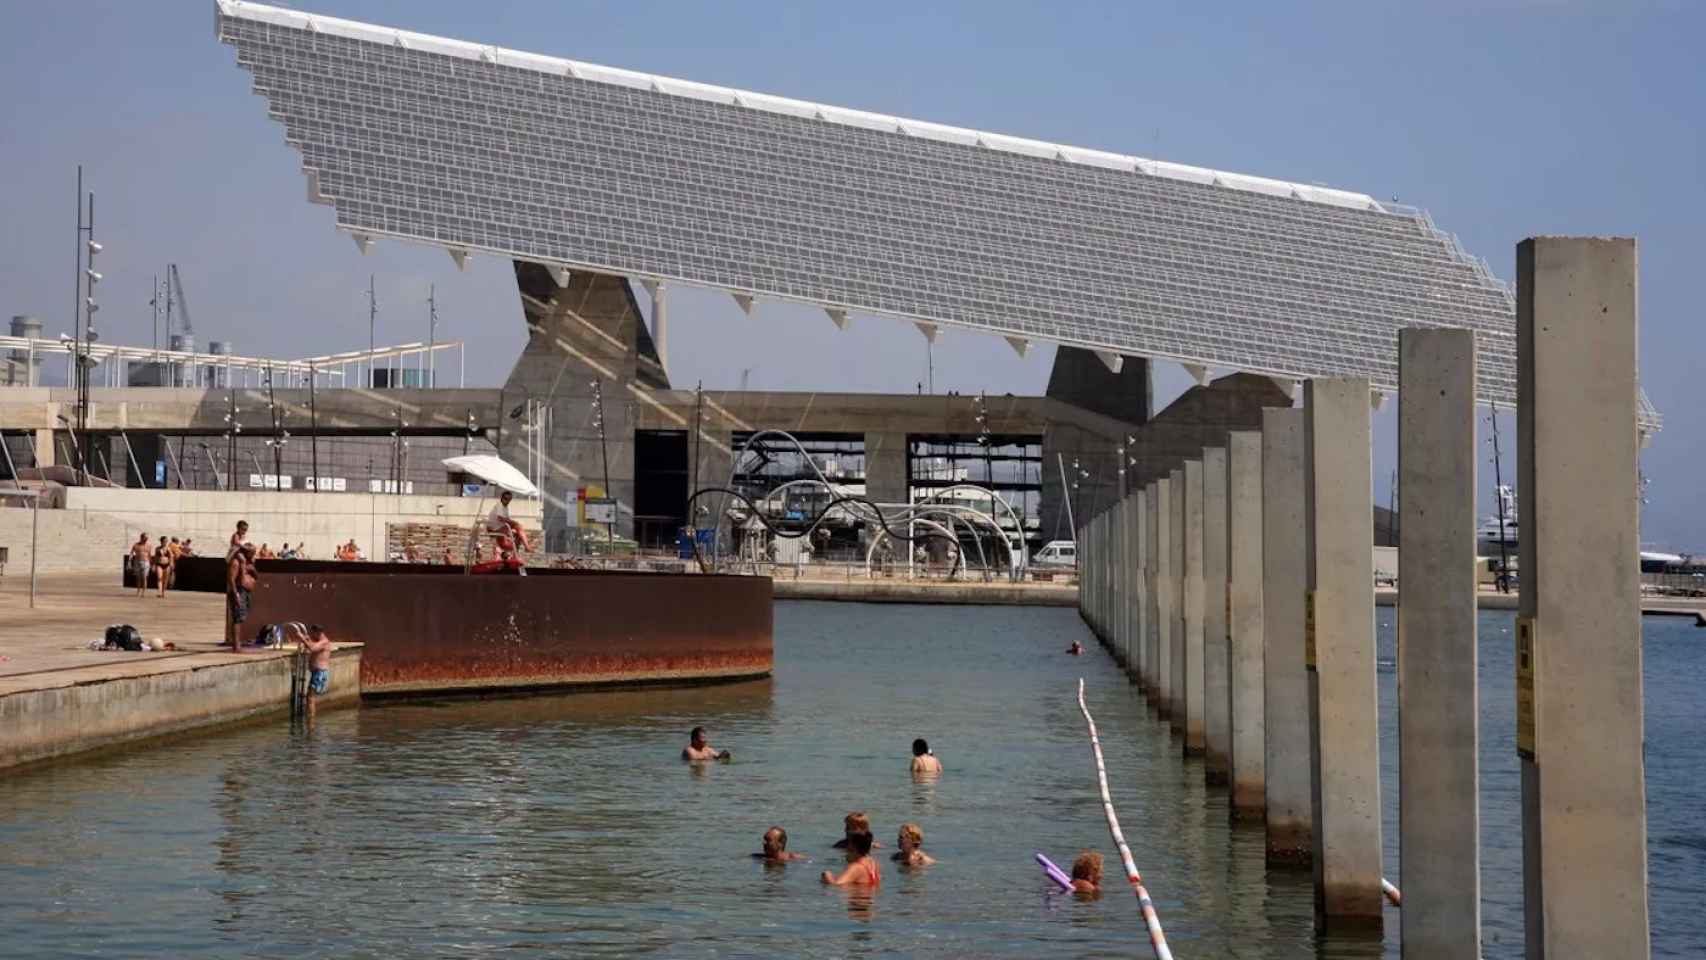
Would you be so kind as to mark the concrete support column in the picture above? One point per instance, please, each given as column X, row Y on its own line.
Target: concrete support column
column 1579, row 709
column 1155, row 609
column 1439, row 813
column 1193, row 660
column 1344, row 709
column 1285, row 683
column 1127, row 563
column 1166, row 596
column 1176, row 586
column 1247, row 760
column 886, row 468
column 44, row 448
column 1216, row 659
column 1139, row 588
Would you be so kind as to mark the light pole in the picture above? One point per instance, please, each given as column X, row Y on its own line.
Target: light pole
column 604, row 457
column 84, row 317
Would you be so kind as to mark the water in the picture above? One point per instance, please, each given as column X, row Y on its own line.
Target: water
column 566, row 826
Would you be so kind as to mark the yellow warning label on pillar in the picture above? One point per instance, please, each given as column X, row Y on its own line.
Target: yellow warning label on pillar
column 1309, row 629
column 1525, row 687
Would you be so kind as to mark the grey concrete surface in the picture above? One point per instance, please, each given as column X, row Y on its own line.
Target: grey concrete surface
column 1248, row 756
column 1285, row 683
column 1579, row 700
column 1216, row 660
column 1343, row 702
column 1439, row 838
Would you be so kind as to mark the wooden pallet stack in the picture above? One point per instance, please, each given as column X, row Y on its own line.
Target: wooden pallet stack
column 432, row 540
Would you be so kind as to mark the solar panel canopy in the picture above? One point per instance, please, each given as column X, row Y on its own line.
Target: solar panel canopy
column 476, row 148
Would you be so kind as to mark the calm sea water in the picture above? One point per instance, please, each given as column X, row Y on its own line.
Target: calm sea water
column 566, row 826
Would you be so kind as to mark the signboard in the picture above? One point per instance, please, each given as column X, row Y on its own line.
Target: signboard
column 600, row 510
column 255, row 482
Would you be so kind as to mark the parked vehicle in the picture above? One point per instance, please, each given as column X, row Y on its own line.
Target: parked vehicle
column 1056, row 553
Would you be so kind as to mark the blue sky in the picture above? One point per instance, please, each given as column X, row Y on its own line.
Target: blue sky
column 1504, row 119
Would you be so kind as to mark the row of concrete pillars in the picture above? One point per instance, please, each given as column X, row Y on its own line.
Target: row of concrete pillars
column 1238, row 593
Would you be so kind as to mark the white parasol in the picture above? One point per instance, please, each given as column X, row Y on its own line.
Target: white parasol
column 495, row 471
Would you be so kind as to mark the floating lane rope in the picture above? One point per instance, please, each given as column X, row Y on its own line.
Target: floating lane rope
column 1157, row 938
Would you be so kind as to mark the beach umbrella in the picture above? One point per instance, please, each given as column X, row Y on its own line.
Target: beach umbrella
column 494, row 471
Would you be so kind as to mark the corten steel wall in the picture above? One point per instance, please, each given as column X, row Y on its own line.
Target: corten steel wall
column 443, row 632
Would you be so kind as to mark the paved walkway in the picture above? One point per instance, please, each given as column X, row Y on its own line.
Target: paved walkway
column 74, row 608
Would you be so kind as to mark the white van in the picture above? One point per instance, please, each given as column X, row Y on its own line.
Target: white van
column 1056, row 553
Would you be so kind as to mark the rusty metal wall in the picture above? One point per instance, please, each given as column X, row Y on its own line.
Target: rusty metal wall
column 443, row 632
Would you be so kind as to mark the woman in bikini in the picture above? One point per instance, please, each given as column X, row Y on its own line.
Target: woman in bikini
column 861, row 869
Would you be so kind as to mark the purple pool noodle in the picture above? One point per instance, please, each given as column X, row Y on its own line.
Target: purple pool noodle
column 1055, row 873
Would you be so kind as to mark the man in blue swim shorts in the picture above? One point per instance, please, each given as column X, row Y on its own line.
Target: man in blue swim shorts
column 319, row 647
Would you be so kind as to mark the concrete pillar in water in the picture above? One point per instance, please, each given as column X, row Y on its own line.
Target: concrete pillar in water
column 1216, row 660
column 44, row 448
column 1135, row 582
column 1176, row 656
column 1167, row 599
column 1343, row 697
column 1579, row 708
column 1154, row 608
column 1193, row 608
column 1439, row 848
column 1285, row 682
column 1247, row 758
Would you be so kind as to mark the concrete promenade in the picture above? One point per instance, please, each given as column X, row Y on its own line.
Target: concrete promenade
column 57, row 697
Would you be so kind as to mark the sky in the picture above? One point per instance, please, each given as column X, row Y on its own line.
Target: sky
column 1504, row 119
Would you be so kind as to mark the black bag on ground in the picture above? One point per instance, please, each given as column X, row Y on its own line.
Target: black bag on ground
column 123, row 637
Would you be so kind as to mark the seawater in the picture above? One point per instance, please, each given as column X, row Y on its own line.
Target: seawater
column 566, row 826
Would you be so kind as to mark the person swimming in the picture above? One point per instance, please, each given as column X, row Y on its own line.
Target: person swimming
column 923, row 761
column 1087, row 873
column 776, row 847
column 699, row 749
column 862, row 870
column 1077, row 649
column 854, row 823
column 911, row 852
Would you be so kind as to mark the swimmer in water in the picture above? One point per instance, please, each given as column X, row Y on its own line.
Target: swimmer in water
column 924, row 762
column 854, row 823
column 1087, row 874
column 1077, row 649
column 911, row 852
column 862, row 868
column 698, row 749
column 776, row 847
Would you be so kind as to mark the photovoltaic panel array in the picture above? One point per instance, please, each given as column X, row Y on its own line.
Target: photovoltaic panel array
column 475, row 148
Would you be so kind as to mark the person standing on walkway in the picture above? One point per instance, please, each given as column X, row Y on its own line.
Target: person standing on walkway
column 239, row 580
column 162, row 565
column 139, row 563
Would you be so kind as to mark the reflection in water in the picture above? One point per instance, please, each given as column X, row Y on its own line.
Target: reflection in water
column 562, row 826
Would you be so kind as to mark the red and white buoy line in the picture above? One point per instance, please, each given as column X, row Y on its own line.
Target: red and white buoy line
column 1157, row 938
